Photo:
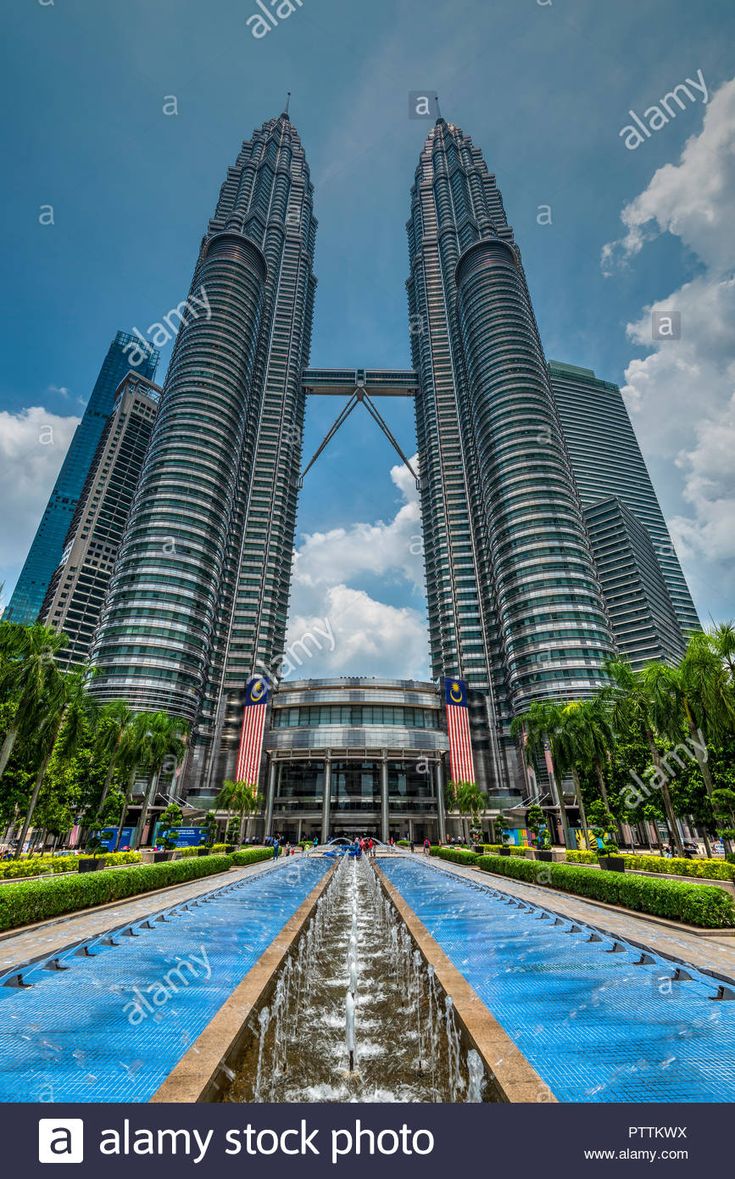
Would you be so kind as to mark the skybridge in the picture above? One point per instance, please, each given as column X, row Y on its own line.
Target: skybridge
column 360, row 386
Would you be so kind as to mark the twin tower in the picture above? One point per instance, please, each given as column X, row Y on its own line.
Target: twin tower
column 199, row 597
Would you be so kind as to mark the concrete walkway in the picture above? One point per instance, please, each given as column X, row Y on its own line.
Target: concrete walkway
column 714, row 954
column 53, row 936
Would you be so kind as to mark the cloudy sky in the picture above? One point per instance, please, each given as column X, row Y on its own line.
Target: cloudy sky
column 543, row 87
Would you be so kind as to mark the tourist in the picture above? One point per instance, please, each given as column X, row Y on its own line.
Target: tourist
column 276, row 847
column 315, row 842
column 427, row 846
column 371, row 847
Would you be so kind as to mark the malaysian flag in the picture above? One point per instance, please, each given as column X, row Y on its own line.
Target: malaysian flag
column 461, row 763
column 253, row 727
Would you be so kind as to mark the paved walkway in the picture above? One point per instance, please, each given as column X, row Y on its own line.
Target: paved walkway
column 713, row 954
column 55, row 935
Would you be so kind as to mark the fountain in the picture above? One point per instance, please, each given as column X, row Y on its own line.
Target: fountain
column 356, row 1014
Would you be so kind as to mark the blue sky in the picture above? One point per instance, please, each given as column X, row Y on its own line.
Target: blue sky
column 543, row 88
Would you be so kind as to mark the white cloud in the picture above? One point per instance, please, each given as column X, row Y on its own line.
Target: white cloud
column 370, row 637
column 33, row 443
column 681, row 394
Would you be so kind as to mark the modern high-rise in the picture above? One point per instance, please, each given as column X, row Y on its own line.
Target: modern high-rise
column 514, row 603
column 199, row 597
column 48, row 544
column 74, row 600
column 641, row 613
column 607, row 461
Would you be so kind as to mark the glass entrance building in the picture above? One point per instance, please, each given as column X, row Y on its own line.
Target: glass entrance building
column 353, row 756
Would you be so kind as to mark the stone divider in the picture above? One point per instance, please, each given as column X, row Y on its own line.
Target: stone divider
column 201, row 1073
column 512, row 1076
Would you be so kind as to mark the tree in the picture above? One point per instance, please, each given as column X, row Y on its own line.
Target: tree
column 30, row 679
column 634, row 706
column 534, row 728
column 536, row 824
column 66, row 711
column 603, row 823
column 134, row 752
column 465, row 799
column 114, row 728
column 570, row 742
column 164, row 740
column 239, row 799
column 170, row 822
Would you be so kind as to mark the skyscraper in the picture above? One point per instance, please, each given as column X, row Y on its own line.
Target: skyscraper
column 77, row 590
column 48, row 544
column 199, row 597
column 514, row 602
column 607, row 461
column 642, row 616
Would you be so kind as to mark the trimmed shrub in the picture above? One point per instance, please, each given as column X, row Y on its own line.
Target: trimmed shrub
column 184, row 853
column 457, row 855
column 494, row 849
column 251, row 855
column 40, row 865
column 581, row 857
column 696, row 904
column 38, row 900
column 678, row 866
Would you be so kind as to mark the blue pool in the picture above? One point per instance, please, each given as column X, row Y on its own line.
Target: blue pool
column 595, row 1026
column 111, row 1026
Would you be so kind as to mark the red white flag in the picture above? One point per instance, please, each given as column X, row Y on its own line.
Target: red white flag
column 251, row 736
column 461, row 761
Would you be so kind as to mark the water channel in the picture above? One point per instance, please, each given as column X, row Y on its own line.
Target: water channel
column 357, row 1015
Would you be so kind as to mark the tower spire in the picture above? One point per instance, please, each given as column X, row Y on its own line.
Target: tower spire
column 288, row 103
column 439, row 118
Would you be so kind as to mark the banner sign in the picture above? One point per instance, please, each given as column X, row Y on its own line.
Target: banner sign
column 461, row 761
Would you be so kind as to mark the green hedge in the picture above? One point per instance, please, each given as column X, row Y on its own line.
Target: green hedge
column 696, row 904
column 678, row 866
column 38, row 900
column 494, row 849
column 456, row 855
column 40, row 865
column 251, row 855
column 581, row 857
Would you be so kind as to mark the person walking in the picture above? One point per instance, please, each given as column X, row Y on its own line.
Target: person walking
column 427, row 846
column 276, row 847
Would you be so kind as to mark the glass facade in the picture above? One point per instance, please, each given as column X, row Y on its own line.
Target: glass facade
column 607, row 461
column 48, row 544
column 356, row 715
column 73, row 603
column 515, row 606
column 199, row 599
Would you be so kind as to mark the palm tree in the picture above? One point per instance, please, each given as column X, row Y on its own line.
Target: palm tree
column 114, row 727
column 634, row 707
column 165, row 740
column 65, row 724
column 241, row 799
column 599, row 736
column 30, row 677
column 134, row 752
column 534, row 728
column 570, row 742
column 722, row 638
column 468, row 800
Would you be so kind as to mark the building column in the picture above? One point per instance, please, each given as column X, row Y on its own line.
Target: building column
column 384, row 811
column 326, row 800
column 269, row 797
column 439, row 786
